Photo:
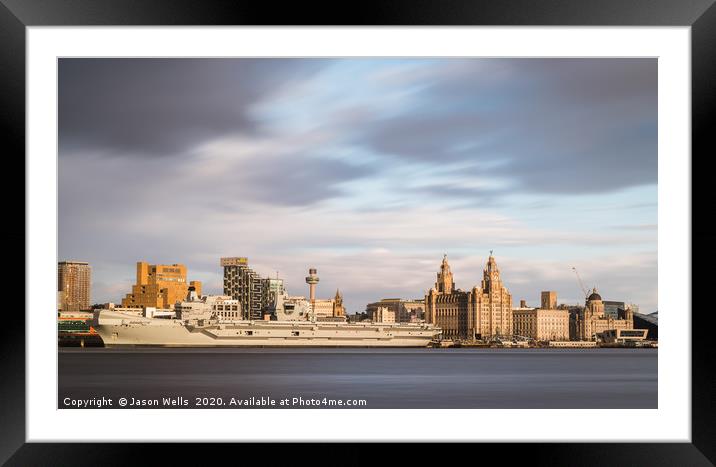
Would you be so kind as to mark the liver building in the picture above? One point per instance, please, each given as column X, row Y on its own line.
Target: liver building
column 483, row 312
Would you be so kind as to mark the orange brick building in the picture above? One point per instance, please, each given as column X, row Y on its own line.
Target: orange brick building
column 159, row 286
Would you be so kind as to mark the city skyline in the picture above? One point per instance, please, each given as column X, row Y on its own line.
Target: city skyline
column 367, row 169
column 530, row 303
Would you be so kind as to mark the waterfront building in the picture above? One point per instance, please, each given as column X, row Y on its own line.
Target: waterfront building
column 74, row 280
column 323, row 307
column 612, row 308
column 245, row 285
column 548, row 300
column 648, row 322
column 329, row 307
column 411, row 311
column 159, row 286
column 592, row 320
column 492, row 303
column 623, row 336
column 484, row 312
column 406, row 311
column 383, row 315
column 393, row 304
column 541, row 324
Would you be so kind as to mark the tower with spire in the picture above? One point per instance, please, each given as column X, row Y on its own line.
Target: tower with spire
column 492, row 303
column 338, row 309
column 444, row 283
column 441, row 296
column 491, row 276
column 483, row 312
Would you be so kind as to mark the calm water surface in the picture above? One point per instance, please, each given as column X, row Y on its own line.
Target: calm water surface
column 392, row 378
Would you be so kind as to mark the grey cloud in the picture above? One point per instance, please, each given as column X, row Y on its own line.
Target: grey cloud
column 293, row 180
column 123, row 193
column 468, row 196
column 163, row 106
column 551, row 125
column 433, row 138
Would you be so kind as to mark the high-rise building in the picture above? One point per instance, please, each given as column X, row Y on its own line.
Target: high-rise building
column 74, row 280
column 548, row 300
column 245, row 285
column 159, row 286
column 481, row 313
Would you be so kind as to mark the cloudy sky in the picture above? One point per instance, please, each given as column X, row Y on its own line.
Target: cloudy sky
column 367, row 169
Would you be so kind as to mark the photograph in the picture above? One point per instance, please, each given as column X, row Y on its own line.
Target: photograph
column 434, row 225
column 357, row 232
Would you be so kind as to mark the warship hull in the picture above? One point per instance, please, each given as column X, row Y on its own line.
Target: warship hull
column 118, row 329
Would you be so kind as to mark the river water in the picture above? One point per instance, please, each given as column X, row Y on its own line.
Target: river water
column 383, row 378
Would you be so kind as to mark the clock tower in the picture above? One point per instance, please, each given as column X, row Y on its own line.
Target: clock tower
column 445, row 284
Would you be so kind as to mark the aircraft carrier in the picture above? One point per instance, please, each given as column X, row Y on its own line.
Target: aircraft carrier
column 196, row 323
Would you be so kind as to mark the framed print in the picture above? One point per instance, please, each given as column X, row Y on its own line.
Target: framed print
column 430, row 223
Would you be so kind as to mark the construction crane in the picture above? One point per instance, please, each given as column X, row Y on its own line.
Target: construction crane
column 581, row 284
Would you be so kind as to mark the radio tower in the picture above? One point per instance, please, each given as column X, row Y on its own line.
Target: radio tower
column 312, row 280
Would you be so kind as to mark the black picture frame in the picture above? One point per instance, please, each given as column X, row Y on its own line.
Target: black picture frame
column 700, row 15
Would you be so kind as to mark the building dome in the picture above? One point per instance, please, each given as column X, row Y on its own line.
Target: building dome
column 594, row 296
